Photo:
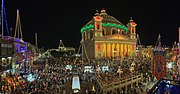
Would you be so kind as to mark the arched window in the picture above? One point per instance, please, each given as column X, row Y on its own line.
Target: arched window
column 123, row 32
column 113, row 31
column 91, row 33
column 84, row 35
column 133, row 30
column 88, row 35
column 104, row 32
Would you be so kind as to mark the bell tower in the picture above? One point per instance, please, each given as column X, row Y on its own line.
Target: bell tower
column 98, row 24
column 132, row 28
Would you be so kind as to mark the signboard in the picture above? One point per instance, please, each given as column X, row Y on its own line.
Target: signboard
column 159, row 64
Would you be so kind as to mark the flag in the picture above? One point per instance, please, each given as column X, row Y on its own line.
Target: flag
column 159, row 65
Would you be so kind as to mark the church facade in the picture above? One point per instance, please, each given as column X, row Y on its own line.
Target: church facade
column 106, row 37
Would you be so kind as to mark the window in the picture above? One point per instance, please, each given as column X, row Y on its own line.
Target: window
column 3, row 49
column 84, row 35
column 132, row 30
column 123, row 32
column 91, row 33
column 88, row 35
column 103, row 32
column 114, row 31
column 6, row 49
column 132, row 37
column 98, row 26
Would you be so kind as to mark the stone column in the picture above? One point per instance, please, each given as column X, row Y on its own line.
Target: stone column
column 117, row 50
column 125, row 51
column 122, row 50
column 106, row 50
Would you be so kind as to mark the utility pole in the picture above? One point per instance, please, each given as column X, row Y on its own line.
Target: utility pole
column 2, row 18
column 36, row 39
column 82, row 49
column 18, row 28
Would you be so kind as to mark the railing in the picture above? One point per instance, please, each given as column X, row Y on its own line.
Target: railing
column 119, row 83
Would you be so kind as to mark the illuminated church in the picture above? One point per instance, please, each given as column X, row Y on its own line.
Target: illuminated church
column 106, row 37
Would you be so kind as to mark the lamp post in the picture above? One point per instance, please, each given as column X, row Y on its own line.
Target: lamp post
column 119, row 71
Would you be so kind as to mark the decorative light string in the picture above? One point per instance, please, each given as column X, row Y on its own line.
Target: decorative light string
column 105, row 25
column 6, row 21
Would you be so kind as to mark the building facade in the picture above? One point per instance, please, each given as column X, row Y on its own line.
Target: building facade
column 106, row 37
column 11, row 52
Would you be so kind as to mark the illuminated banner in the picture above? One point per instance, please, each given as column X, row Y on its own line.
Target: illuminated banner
column 159, row 64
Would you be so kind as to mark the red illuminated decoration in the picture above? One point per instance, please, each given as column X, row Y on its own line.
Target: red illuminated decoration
column 129, row 29
column 133, row 30
column 159, row 61
column 159, row 66
column 98, row 26
column 98, row 17
column 134, row 24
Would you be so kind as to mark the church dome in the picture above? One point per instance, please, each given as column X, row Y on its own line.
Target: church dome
column 106, row 21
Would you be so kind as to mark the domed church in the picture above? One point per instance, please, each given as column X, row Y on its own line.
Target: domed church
column 106, row 37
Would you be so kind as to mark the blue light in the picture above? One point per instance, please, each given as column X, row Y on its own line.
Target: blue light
column 25, row 43
column 17, row 62
column 17, row 45
column 17, row 40
column 6, row 22
column 21, row 49
column 30, row 77
column 4, row 12
column 171, row 86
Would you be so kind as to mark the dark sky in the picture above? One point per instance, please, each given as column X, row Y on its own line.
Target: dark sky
column 53, row 20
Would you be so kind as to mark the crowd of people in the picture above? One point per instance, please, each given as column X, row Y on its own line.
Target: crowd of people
column 48, row 78
column 51, row 74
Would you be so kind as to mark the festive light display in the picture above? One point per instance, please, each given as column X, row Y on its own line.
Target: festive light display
column 87, row 27
column 105, row 25
column 116, row 26
column 106, row 37
column 159, row 65
column 3, row 15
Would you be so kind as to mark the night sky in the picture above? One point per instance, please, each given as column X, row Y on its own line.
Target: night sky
column 53, row 20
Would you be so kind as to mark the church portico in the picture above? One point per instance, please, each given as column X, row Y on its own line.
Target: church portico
column 110, row 50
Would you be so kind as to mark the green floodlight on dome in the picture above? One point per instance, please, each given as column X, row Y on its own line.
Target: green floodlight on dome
column 105, row 25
